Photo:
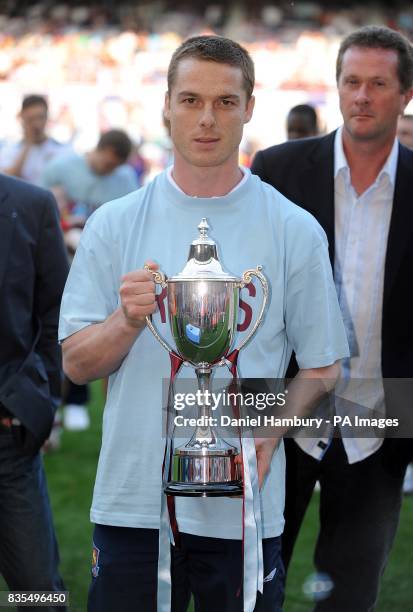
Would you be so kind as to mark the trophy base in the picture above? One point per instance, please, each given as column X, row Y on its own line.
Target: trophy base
column 232, row 488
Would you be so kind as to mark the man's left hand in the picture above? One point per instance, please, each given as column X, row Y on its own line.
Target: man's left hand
column 264, row 447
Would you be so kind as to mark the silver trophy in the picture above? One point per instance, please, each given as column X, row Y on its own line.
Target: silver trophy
column 203, row 310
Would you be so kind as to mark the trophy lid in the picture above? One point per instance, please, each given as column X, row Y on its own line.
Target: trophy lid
column 203, row 262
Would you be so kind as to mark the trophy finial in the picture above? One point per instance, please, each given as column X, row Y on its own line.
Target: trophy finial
column 203, row 228
column 203, row 258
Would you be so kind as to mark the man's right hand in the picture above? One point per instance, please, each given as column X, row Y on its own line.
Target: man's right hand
column 137, row 293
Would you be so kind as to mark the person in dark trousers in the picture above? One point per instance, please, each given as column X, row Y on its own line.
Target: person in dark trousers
column 357, row 182
column 33, row 270
column 103, row 331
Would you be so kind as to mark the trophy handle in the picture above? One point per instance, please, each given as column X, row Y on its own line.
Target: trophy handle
column 159, row 278
column 246, row 278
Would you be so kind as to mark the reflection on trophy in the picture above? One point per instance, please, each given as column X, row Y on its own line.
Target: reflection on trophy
column 203, row 308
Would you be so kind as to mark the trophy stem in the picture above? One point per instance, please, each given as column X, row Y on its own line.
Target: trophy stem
column 204, row 434
column 205, row 466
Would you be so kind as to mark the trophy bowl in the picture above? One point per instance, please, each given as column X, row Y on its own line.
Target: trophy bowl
column 203, row 318
column 203, row 310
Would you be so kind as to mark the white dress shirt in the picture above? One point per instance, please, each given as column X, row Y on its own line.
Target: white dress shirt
column 361, row 230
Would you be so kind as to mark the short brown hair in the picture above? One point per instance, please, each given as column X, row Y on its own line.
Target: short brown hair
column 118, row 141
column 380, row 37
column 214, row 49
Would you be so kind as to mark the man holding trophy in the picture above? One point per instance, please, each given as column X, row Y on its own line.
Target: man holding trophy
column 105, row 330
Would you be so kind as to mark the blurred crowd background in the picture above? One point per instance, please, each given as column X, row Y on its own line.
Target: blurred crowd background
column 103, row 65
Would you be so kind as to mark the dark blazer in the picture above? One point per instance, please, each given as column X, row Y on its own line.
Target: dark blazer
column 303, row 171
column 33, row 270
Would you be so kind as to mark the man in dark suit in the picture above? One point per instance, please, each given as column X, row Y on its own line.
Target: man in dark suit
column 33, row 269
column 357, row 182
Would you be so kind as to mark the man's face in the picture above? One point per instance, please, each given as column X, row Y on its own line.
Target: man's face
column 34, row 119
column 207, row 108
column 405, row 131
column 104, row 161
column 370, row 93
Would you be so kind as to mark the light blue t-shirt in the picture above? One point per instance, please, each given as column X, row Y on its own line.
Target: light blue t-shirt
column 84, row 187
column 253, row 225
